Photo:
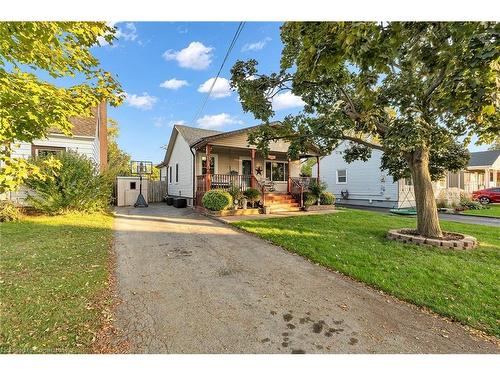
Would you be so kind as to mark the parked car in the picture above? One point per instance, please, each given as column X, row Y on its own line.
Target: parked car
column 485, row 196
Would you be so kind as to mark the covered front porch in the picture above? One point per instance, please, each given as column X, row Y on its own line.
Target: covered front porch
column 225, row 167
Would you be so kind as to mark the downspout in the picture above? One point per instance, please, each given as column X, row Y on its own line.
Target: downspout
column 194, row 174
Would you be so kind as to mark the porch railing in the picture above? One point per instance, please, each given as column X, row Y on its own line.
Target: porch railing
column 299, row 186
column 220, row 181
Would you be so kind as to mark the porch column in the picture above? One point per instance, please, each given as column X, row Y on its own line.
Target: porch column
column 289, row 180
column 208, row 177
column 252, row 180
column 317, row 165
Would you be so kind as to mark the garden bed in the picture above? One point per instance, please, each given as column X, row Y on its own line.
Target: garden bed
column 450, row 240
column 322, row 207
column 238, row 212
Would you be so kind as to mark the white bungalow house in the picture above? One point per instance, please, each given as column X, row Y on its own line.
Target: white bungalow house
column 197, row 160
column 89, row 138
column 364, row 183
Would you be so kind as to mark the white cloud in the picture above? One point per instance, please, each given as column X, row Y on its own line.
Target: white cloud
column 221, row 89
column 195, row 56
column 173, row 84
column 144, row 101
column 217, row 121
column 256, row 46
column 287, row 100
column 129, row 33
column 158, row 122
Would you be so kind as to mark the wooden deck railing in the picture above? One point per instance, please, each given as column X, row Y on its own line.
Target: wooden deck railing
column 299, row 186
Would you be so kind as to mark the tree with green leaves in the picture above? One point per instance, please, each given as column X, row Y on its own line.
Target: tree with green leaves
column 30, row 107
column 495, row 145
column 417, row 91
column 118, row 160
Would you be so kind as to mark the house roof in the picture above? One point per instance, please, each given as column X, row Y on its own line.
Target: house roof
column 194, row 135
column 82, row 126
column 483, row 158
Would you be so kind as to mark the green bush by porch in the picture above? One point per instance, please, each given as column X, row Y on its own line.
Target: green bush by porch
column 462, row 285
column 217, row 200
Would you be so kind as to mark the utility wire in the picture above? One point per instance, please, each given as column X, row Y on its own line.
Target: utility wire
column 230, row 48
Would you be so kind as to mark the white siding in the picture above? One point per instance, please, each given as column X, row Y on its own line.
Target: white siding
column 85, row 146
column 366, row 183
column 182, row 156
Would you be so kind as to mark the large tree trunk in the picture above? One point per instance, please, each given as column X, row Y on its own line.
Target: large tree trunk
column 427, row 214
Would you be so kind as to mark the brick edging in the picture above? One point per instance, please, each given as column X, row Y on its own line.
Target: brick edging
column 466, row 243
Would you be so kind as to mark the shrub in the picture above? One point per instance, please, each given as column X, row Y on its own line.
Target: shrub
column 235, row 192
column 75, row 186
column 327, row 198
column 252, row 195
column 9, row 212
column 317, row 187
column 311, row 200
column 467, row 203
column 217, row 200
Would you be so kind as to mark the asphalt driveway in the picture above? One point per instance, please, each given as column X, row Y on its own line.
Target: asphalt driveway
column 190, row 284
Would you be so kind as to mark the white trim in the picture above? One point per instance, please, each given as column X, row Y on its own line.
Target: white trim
column 176, row 173
column 337, row 176
column 275, row 161
column 240, row 164
column 216, row 162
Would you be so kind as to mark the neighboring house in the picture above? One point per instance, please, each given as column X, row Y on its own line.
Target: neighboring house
column 89, row 138
column 364, row 183
column 231, row 161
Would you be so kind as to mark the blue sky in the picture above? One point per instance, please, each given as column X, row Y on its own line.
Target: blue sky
column 165, row 68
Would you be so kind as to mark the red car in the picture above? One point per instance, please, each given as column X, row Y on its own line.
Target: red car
column 486, row 196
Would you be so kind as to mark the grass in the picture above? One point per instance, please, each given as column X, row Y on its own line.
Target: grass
column 53, row 282
column 493, row 210
column 462, row 285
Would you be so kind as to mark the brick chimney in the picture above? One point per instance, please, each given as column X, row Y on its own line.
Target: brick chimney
column 103, row 136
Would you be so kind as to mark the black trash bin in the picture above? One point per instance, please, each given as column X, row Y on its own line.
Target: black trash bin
column 180, row 202
column 170, row 201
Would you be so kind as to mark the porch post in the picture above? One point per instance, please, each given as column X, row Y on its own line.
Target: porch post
column 208, row 177
column 288, row 182
column 252, row 153
column 317, row 165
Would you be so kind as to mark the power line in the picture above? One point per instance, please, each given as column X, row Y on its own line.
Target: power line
column 230, row 48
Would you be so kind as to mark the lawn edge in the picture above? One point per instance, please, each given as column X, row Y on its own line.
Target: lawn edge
column 105, row 340
column 475, row 332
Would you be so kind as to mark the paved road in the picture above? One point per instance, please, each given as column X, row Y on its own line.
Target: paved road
column 469, row 219
column 190, row 284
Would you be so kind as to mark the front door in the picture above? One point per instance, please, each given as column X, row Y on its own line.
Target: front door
column 246, row 171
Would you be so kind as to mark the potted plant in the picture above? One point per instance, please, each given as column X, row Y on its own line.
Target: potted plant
column 252, row 195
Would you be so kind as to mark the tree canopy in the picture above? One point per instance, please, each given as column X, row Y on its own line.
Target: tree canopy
column 31, row 106
column 416, row 91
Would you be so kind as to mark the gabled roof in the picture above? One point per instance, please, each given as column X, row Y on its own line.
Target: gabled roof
column 483, row 158
column 193, row 135
column 82, row 126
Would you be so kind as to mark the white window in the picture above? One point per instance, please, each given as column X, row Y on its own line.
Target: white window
column 341, row 176
column 277, row 171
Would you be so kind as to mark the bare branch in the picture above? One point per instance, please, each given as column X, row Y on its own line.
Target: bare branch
column 363, row 142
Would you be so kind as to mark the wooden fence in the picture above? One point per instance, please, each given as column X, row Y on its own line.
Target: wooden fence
column 156, row 191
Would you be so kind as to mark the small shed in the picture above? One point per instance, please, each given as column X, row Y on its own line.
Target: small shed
column 127, row 190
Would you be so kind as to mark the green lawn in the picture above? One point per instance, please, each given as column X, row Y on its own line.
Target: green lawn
column 492, row 211
column 463, row 285
column 53, row 282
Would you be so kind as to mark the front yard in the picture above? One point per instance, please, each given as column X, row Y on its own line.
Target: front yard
column 462, row 285
column 493, row 210
column 53, row 282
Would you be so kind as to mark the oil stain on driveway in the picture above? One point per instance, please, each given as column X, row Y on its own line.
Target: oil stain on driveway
column 189, row 284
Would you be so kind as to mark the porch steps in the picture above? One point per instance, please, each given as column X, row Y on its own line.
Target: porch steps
column 281, row 202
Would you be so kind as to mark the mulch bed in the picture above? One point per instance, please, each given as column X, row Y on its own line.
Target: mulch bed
column 447, row 236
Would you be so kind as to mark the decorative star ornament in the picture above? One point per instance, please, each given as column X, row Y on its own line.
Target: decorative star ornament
column 258, row 170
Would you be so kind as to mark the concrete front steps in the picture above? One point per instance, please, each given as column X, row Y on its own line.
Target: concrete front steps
column 281, row 202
